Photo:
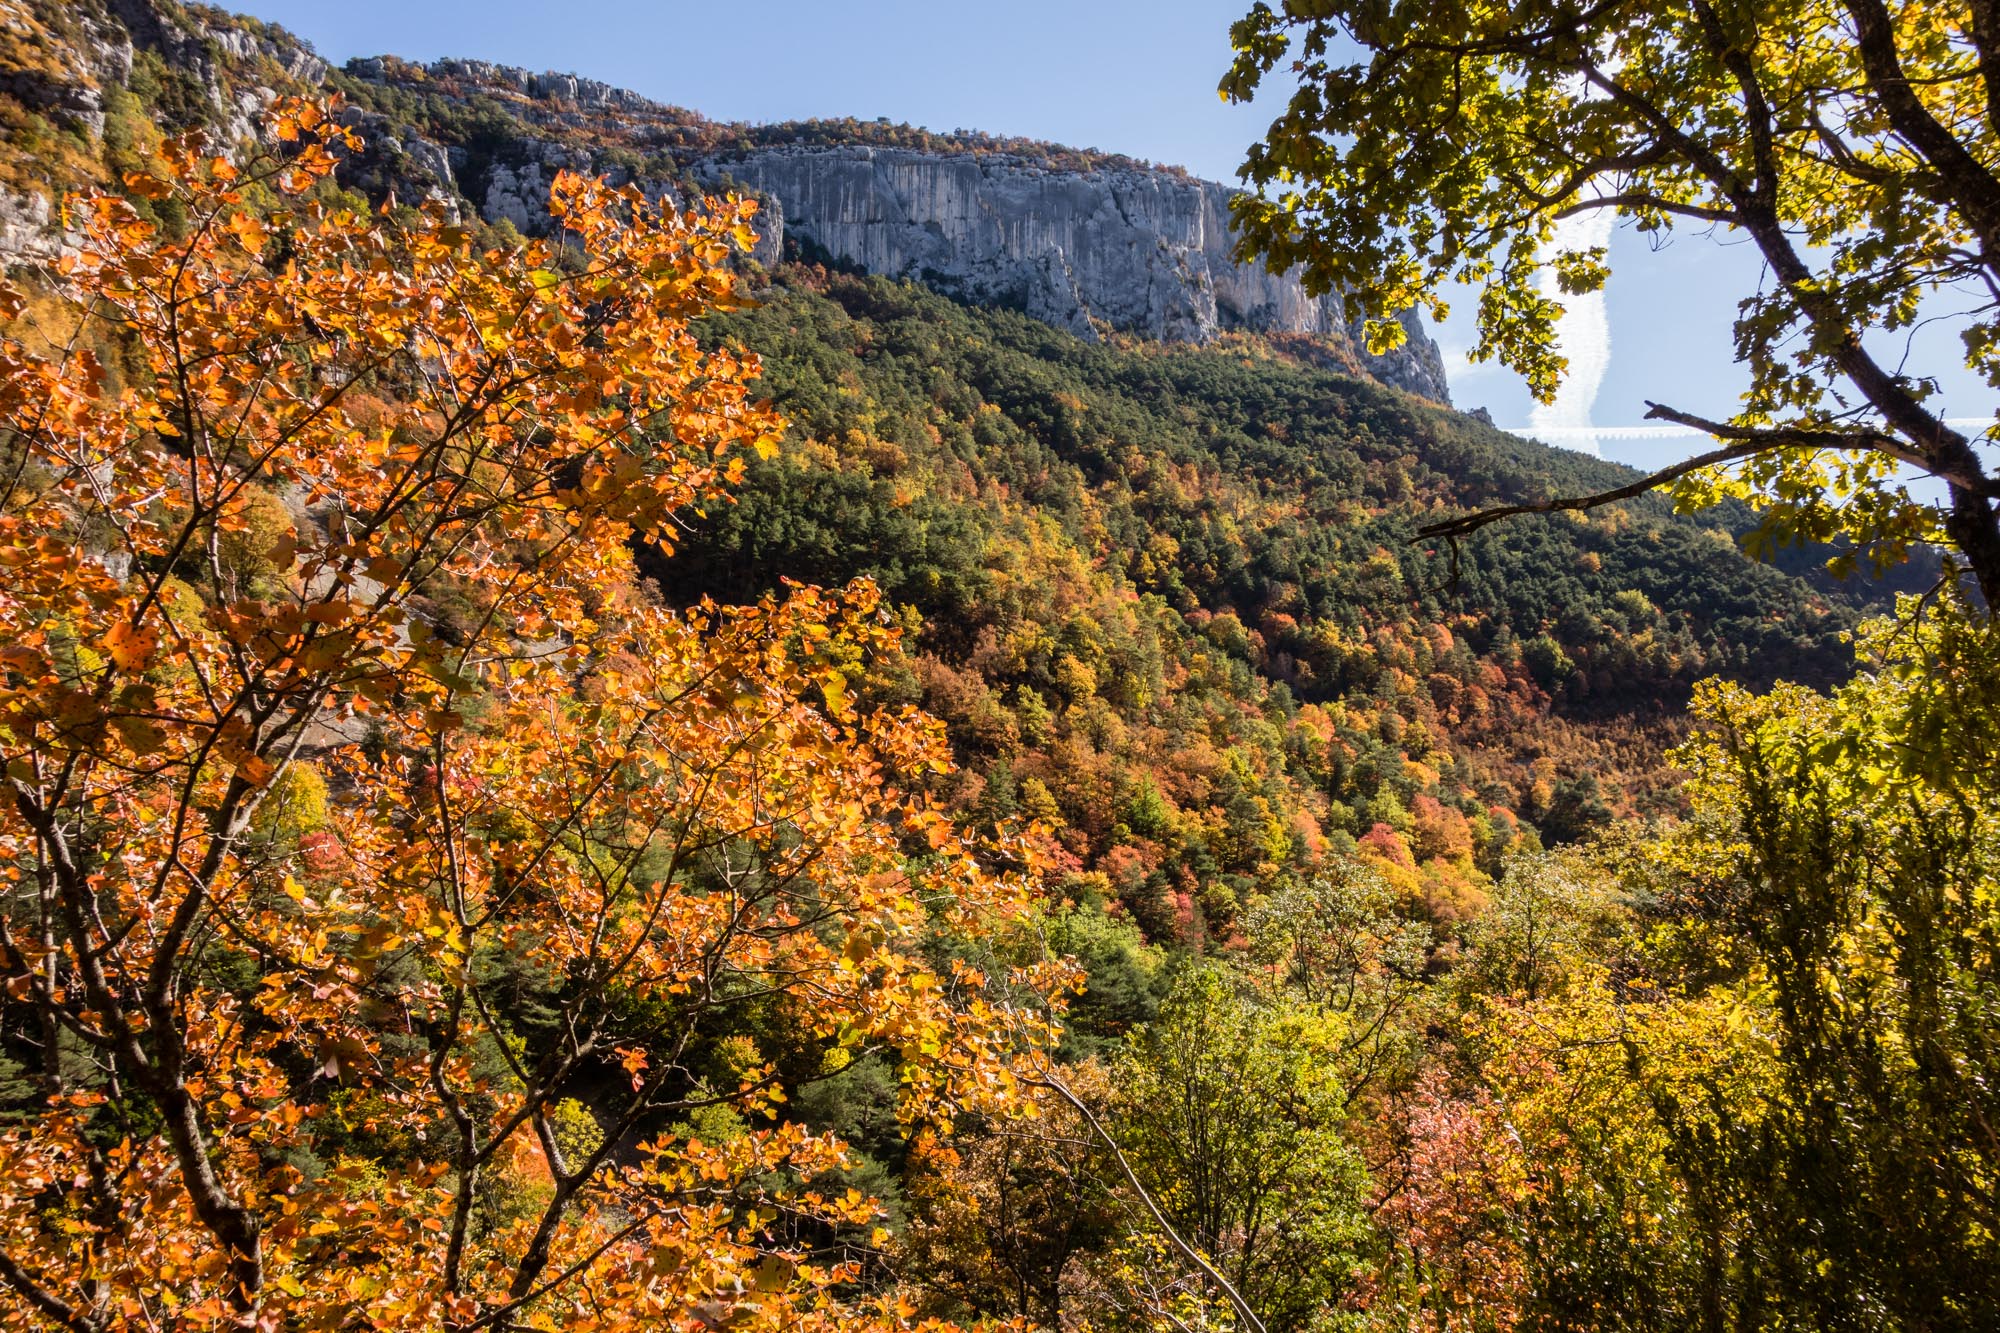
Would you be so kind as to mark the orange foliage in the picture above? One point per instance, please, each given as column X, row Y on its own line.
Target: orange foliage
column 653, row 811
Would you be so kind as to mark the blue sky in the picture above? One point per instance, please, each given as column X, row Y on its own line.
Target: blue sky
column 1132, row 76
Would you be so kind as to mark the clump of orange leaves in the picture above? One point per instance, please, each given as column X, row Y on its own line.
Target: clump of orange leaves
column 375, row 847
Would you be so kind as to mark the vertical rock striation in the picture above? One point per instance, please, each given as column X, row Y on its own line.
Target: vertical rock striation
column 1084, row 241
column 1148, row 252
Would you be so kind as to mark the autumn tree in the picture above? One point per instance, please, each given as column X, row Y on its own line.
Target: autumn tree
column 1735, row 1073
column 1852, row 142
column 1230, row 1113
column 378, row 855
column 1337, row 947
column 1858, row 883
column 1020, row 1218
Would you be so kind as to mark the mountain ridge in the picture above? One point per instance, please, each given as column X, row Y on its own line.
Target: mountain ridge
column 1088, row 241
column 1077, row 238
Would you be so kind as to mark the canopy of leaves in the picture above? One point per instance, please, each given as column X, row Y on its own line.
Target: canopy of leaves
column 379, row 859
column 1852, row 142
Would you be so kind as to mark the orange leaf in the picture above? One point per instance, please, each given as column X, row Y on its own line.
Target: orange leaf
column 147, row 187
column 249, row 232
column 132, row 647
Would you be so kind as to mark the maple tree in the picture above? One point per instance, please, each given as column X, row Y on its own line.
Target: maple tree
column 379, row 855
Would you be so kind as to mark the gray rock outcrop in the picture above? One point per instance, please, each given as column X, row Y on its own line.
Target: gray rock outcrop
column 1086, row 243
column 1147, row 252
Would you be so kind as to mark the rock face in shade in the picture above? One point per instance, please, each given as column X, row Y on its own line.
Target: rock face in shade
column 1147, row 252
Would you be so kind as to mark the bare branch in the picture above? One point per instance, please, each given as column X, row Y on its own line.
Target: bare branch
column 1745, row 442
column 1188, row 1252
column 1879, row 441
column 1467, row 523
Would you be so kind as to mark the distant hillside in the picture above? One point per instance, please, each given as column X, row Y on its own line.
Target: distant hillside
column 1163, row 592
column 1170, row 605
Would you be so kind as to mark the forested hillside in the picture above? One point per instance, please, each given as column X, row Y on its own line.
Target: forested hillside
column 1167, row 597
column 575, row 761
column 1169, row 602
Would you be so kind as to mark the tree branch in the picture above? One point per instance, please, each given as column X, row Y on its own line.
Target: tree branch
column 1640, row 199
column 1467, row 523
column 1985, row 33
column 1879, row 441
column 1973, row 189
column 43, row 1301
column 1744, row 442
column 1756, row 106
column 1189, row 1252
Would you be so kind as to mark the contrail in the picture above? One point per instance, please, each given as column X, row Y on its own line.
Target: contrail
column 1583, row 334
column 1668, row 431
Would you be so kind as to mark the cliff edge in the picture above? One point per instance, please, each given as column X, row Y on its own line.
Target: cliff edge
column 1089, row 242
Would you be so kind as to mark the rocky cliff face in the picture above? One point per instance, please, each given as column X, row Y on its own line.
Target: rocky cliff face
column 1142, row 251
column 1086, row 242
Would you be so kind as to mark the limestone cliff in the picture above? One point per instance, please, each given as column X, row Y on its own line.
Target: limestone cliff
column 1086, row 241
column 1142, row 251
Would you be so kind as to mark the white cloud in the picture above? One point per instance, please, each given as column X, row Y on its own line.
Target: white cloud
column 1583, row 334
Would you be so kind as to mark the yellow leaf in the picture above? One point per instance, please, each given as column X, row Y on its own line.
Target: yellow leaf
column 834, row 686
